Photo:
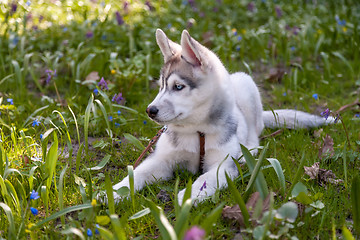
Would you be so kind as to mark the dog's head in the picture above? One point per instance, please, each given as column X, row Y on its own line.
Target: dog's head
column 188, row 81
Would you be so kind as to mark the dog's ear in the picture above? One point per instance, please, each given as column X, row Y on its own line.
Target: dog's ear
column 191, row 49
column 167, row 47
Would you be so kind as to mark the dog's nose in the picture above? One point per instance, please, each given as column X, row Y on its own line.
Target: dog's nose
column 152, row 111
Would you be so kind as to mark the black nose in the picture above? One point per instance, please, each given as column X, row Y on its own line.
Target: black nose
column 152, row 111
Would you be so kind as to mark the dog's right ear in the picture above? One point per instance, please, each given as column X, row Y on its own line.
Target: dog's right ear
column 167, row 47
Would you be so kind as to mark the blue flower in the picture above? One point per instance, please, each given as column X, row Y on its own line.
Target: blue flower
column 169, row 25
column 284, row 94
column 144, row 122
column 36, row 122
column 65, row 29
column 110, row 118
column 117, row 124
column 41, row 136
column 34, row 195
column 97, row 229
column 315, row 96
column 292, row 48
column 357, row 115
column 119, row 112
column 238, row 48
column 89, row 232
column 239, row 38
column 96, row 91
column 10, row 100
column 34, row 211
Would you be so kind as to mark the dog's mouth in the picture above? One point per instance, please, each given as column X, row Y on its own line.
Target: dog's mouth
column 167, row 121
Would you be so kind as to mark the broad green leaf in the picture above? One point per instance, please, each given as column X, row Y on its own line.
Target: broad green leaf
column 10, row 218
column 257, row 176
column 182, row 220
column 133, row 140
column 118, row 228
column 303, row 198
column 102, row 163
column 110, row 194
column 61, row 213
column 288, row 212
column 347, row 234
column 238, row 199
column 279, row 172
column 140, row 214
column 167, row 231
column 298, row 188
column 318, row 204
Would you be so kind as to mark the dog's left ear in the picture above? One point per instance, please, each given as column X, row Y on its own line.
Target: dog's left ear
column 191, row 49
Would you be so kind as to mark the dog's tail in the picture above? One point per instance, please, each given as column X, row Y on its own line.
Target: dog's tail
column 293, row 119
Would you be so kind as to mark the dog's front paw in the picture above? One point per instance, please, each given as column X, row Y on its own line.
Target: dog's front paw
column 102, row 197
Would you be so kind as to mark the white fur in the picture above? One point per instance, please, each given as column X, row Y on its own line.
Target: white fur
column 233, row 100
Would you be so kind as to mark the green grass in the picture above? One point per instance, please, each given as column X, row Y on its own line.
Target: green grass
column 63, row 136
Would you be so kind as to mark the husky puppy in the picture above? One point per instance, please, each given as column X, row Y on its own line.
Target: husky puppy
column 197, row 94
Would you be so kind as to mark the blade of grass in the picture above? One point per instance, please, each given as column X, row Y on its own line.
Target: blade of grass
column 257, row 176
column 279, row 172
column 131, row 185
column 110, row 194
column 238, row 199
column 86, row 123
column 117, row 226
column 182, row 219
column 60, row 193
column 101, row 164
column 103, row 110
column 297, row 176
column 10, row 218
column 212, row 217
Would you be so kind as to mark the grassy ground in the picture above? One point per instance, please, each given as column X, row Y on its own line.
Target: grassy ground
column 64, row 137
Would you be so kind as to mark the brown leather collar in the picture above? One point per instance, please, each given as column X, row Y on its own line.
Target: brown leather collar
column 156, row 137
column 202, row 150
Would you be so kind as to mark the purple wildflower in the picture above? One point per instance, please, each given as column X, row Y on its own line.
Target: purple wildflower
column 119, row 18
column 89, row 34
column 34, row 195
column 126, row 6
column 41, row 18
column 325, row 113
column 50, row 75
column 195, row 233
column 117, row 98
column 34, row 211
column 13, row 8
column 203, row 186
column 103, row 84
column 278, row 12
column 149, row 5
column 337, row 118
column 251, row 7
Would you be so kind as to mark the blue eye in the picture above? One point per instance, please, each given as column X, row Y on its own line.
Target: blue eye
column 178, row 87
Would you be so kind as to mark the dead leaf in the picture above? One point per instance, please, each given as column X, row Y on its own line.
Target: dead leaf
column 276, row 74
column 322, row 175
column 93, row 76
column 318, row 133
column 255, row 206
column 327, row 148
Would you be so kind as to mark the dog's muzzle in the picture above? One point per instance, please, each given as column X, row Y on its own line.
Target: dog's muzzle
column 152, row 111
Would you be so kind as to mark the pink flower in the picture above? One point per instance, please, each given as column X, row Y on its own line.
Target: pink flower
column 195, row 233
